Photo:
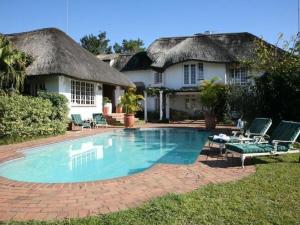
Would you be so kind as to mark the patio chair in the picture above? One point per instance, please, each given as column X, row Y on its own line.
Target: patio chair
column 76, row 119
column 280, row 142
column 99, row 120
column 256, row 132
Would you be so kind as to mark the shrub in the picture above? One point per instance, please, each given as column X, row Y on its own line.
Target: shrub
column 26, row 116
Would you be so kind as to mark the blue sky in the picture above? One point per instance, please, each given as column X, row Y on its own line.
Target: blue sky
column 151, row 19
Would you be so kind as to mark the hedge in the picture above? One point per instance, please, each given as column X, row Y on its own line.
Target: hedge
column 26, row 116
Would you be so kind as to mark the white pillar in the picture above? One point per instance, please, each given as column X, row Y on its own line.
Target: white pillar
column 117, row 95
column 167, row 106
column 160, row 105
column 145, row 106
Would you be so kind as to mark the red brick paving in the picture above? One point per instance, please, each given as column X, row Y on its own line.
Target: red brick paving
column 25, row 201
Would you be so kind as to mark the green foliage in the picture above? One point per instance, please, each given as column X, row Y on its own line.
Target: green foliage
column 213, row 97
column 274, row 60
column 130, row 101
column 106, row 100
column 13, row 64
column 244, row 101
column 279, row 96
column 129, row 46
column 270, row 196
column 96, row 44
column 275, row 94
column 60, row 107
column 154, row 91
column 26, row 116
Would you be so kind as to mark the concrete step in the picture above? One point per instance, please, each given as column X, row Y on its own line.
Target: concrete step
column 115, row 118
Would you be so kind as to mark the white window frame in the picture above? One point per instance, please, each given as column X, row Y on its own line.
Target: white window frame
column 193, row 73
column 186, row 74
column 158, row 78
column 190, row 102
column 239, row 76
column 82, row 93
column 200, row 72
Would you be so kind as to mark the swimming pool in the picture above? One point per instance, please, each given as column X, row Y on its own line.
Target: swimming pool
column 106, row 156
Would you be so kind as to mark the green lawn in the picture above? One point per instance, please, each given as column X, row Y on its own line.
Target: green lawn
column 270, row 196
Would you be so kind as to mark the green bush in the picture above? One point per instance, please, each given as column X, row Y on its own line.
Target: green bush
column 26, row 116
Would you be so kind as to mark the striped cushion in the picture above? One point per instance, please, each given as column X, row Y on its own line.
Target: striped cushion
column 260, row 125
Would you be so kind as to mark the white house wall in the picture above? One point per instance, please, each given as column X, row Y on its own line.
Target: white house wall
column 147, row 77
column 174, row 74
column 173, row 79
column 85, row 111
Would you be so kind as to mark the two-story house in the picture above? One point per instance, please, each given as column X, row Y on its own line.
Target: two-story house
column 181, row 64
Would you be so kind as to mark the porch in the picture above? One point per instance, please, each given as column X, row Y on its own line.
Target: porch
column 169, row 104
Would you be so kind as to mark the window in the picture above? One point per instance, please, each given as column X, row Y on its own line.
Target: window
column 187, row 103
column 186, row 74
column 190, row 102
column 82, row 93
column 157, row 78
column 239, row 76
column 193, row 74
column 200, row 72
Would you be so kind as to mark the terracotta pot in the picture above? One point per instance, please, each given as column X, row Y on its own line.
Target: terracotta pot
column 210, row 121
column 119, row 109
column 105, row 110
column 129, row 120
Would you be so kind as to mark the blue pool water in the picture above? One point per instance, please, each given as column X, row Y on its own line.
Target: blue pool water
column 106, row 156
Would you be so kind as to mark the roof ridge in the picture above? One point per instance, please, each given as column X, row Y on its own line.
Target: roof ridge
column 35, row 31
column 200, row 35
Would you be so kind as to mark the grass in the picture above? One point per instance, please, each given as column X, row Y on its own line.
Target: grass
column 270, row 196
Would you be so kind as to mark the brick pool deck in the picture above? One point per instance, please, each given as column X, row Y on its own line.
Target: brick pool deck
column 25, row 201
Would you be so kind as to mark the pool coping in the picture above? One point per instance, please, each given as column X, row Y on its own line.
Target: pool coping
column 184, row 178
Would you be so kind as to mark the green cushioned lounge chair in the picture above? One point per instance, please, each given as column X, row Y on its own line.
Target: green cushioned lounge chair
column 257, row 131
column 76, row 119
column 280, row 142
column 99, row 119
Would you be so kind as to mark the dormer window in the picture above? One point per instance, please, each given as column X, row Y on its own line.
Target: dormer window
column 158, row 78
column 192, row 73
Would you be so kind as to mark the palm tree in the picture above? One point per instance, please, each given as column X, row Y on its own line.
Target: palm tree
column 12, row 65
column 210, row 96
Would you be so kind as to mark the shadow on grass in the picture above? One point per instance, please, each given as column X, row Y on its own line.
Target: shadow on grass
column 214, row 159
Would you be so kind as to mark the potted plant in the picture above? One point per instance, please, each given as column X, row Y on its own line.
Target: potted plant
column 107, row 107
column 211, row 96
column 119, row 108
column 130, row 103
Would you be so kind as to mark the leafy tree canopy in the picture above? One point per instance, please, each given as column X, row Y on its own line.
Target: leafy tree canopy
column 13, row 64
column 129, row 46
column 275, row 94
column 96, row 44
column 274, row 60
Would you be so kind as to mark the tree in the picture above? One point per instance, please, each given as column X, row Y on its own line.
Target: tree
column 278, row 90
column 96, row 44
column 129, row 46
column 13, row 64
column 213, row 97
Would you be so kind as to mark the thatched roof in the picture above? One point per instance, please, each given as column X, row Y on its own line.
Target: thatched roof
column 56, row 53
column 164, row 52
column 127, row 61
column 223, row 48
